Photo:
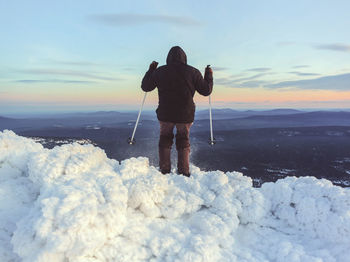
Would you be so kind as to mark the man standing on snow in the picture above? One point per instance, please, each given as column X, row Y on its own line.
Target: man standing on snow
column 176, row 82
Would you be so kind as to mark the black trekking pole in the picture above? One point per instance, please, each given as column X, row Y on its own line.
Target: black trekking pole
column 212, row 140
column 131, row 140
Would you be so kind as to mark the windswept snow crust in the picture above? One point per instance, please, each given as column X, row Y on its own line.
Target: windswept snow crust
column 72, row 203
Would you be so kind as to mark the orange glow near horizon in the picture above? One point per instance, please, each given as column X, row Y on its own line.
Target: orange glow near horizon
column 262, row 95
column 133, row 96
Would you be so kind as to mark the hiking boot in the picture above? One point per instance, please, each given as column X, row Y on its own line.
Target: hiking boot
column 164, row 160
column 183, row 161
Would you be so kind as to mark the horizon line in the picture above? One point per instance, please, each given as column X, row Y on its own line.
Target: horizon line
column 59, row 112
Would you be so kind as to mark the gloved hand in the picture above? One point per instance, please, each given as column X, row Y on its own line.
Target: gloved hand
column 153, row 66
column 208, row 75
column 208, row 70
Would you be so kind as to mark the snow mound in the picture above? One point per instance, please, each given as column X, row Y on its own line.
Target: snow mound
column 72, row 203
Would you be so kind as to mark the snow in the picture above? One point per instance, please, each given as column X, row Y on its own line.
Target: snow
column 280, row 172
column 45, row 141
column 72, row 203
column 289, row 133
column 334, row 133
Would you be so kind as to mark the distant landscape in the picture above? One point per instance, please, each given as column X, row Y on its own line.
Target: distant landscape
column 265, row 145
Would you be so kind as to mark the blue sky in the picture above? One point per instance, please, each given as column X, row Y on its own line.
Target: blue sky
column 92, row 55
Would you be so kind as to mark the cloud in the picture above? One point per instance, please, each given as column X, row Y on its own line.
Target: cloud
column 339, row 82
column 340, row 105
column 286, row 43
column 128, row 19
column 75, row 73
column 230, row 80
column 330, row 101
column 233, row 103
column 333, row 82
column 252, row 84
column 218, row 68
column 303, row 74
column 334, row 47
column 243, row 82
column 35, row 81
column 128, row 68
column 249, row 77
column 259, row 69
column 300, row 66
column 72, row 63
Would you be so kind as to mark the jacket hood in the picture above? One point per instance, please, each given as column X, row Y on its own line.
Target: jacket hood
column 176, row 55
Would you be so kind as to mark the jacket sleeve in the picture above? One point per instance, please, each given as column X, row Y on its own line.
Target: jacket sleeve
column 149, row 81
column 204, row 86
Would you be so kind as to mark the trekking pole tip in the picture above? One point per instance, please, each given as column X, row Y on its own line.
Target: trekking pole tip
column 212, row 141
column 131, row 141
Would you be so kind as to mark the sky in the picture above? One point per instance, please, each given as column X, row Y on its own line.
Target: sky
column 92, row 55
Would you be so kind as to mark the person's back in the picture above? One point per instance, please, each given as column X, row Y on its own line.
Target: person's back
column 176, row 82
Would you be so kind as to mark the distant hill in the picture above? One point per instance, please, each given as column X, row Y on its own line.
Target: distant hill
column 340, row 117
column 70, row 120
column 8, row 122
column 224, row 119
column 227, row 113
column 301, row 119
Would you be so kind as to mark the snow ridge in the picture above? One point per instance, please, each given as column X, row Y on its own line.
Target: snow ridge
column 72, row 203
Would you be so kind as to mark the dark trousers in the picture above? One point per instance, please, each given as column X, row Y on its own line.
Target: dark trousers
column 182, row 146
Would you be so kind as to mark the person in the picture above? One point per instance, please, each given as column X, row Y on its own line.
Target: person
column 177, row 83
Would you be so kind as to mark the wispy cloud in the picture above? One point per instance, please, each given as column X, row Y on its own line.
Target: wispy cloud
column 300, row 66
column 286, row 43
column 333, row 82
column 129, row 69
column 287, row 104
column 340, row 82
column 218, row 68
column 233, row 103
column 330, row 101
column 334, row 47
column 129, row 19
column 62, row 72
column 71, row 63
column 303, row 73
column 250, row 81
column 248, row 78
column 36, row 81
column 252, row 84
column 259, row 69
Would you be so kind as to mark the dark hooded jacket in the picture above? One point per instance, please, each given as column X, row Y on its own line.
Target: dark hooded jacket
column 177, row 83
